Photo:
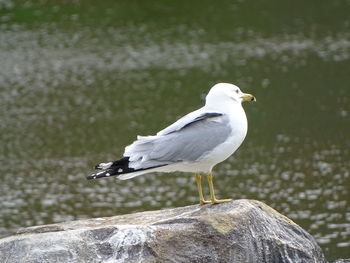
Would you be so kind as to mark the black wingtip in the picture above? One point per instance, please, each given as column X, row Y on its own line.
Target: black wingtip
column 91, row 177
column 111, row 169
column 106, row 173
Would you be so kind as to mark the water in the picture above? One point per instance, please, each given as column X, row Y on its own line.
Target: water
column 79, row 80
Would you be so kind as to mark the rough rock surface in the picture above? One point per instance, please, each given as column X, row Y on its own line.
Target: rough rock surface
column 239, row 231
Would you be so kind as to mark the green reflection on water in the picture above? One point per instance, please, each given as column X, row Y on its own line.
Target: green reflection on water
column 79, row 80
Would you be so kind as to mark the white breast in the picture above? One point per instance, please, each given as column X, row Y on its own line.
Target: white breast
column 238, row 123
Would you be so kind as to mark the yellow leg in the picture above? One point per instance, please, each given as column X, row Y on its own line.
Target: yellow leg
column 212, row 193
column 200, row 191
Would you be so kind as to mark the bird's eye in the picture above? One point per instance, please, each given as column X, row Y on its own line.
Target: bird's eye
column 237, row 91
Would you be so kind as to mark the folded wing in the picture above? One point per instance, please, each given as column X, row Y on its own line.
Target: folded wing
column 188, row 139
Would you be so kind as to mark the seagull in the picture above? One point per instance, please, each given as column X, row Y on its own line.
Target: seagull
column 195, row 143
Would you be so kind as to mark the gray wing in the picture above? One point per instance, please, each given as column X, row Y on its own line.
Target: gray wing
column 188, row 119
column 191, row 142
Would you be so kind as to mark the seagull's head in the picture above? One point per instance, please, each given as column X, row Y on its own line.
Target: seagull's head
column 226, row 92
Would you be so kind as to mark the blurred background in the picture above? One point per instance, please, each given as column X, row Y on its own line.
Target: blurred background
column 80, row 79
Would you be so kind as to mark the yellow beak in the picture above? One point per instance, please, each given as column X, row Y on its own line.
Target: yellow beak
column 248, row 97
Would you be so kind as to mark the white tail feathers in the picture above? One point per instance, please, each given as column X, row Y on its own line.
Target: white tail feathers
column 138, row 173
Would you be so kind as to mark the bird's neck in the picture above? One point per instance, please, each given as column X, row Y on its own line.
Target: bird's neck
column 226, row 108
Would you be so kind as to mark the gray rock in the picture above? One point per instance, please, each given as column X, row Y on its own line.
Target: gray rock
column 239, row 231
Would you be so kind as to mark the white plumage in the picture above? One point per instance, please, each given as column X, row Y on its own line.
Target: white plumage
column 195, row 143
